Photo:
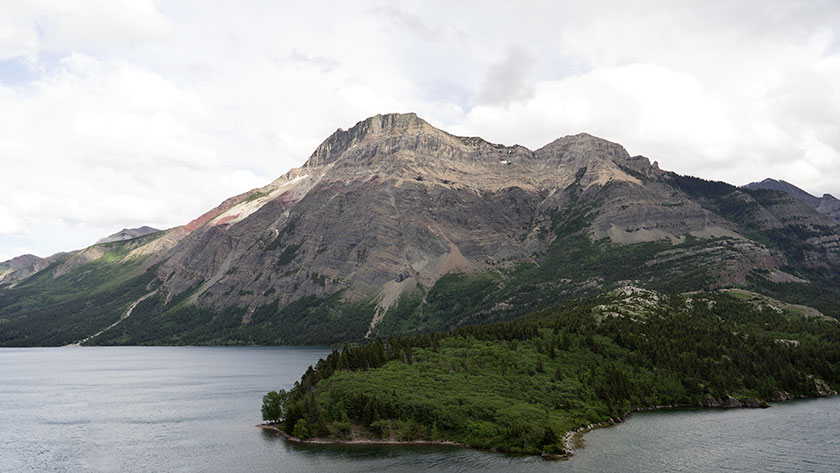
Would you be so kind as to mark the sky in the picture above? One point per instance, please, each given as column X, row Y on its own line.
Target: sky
column 122, row 113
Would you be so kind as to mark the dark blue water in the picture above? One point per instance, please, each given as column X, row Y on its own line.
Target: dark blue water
column 170, row 409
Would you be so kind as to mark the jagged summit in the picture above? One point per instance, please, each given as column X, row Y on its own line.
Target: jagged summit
column 404, row 146
column 391, row 133
column 370, row 128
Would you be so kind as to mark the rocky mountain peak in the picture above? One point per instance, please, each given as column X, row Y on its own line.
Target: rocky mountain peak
column 372, row 128
column 404, row 146
column 582, row 147
column 24, row 259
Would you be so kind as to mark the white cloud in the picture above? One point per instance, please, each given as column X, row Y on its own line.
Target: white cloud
column 28, row 28
column 124, row 113
column 643, row 106
column 507, row 80
column 10, row 224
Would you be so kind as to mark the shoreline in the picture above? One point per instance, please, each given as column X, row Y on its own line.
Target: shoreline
column 572, row 440
column 324, row 441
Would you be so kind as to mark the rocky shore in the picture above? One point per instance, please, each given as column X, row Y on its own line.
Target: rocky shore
column 357, row 440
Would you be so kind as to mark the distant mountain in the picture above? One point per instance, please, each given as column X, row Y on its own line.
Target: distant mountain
column 826, row 204
column 21, row 267
column 128, row 234
column 395, row 226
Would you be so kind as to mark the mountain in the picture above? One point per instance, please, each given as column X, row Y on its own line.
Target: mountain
column 826, row 204
column 21, row 267
column 128, row 234
column 395, row 225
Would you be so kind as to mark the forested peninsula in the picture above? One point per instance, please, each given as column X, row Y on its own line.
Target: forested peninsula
column 521, row 386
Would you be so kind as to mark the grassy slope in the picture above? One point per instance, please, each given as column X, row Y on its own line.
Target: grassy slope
column 44, row 310
column 519, row 386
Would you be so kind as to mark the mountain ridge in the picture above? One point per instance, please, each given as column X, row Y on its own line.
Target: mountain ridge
column 827, row 204
column 395, row 225
column 128, row 233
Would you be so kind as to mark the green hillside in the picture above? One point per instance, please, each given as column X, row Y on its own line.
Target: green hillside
column 520, row 386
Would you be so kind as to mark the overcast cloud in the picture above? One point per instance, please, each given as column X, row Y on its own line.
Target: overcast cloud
column 135, row 112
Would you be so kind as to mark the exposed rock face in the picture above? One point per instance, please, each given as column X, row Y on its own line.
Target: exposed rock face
column 21, row 267
column 822, row 388
column 827, row 204
column 730, row 402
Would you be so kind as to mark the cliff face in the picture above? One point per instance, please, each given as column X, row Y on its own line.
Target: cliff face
column 382, row 211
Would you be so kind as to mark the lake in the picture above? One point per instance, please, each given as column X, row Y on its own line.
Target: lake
column 172, row 409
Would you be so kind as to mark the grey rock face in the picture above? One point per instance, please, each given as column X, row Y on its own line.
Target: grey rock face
column 20, row 267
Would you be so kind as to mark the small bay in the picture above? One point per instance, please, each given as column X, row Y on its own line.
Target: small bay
column 190, row 409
